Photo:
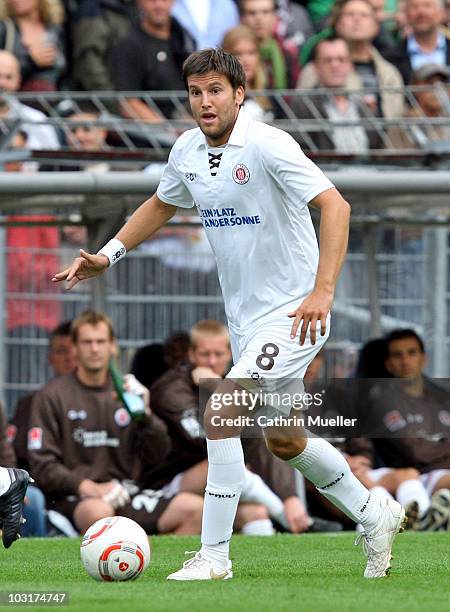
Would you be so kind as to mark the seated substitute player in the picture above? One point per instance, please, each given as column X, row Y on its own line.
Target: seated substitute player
column 85, row 451
column 409, row 417
column 176, row 399
column 252, row 185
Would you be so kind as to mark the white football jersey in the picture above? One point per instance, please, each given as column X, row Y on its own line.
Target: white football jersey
column 255, row 213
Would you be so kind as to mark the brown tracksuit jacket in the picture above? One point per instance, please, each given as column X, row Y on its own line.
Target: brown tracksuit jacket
column 79, row 432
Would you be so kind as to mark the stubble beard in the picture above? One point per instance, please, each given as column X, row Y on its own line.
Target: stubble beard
column 222, row 129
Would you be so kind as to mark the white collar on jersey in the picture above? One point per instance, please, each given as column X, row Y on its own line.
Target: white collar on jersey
column 238, row 136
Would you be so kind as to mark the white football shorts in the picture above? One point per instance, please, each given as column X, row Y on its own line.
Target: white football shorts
column 267, row 359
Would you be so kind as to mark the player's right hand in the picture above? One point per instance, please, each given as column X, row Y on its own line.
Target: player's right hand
column 83, row 267
column 118, row 496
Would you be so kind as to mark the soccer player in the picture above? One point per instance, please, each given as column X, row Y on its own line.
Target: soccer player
column 252, row 185
column 13, row 486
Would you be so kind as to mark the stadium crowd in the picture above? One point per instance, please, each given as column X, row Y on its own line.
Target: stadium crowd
column 92, row 457
column 367, row 50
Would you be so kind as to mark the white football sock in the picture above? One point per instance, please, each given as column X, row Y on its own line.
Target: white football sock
column 261, row 527
column 5, row 480
column 328, row 470
column 381, row 492
column 413, row 490
column 255, row 490
column 226, row 475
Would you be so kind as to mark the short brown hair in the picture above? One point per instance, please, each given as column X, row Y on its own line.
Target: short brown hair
column 214, row 60
column 207, row 327
column 90, row 317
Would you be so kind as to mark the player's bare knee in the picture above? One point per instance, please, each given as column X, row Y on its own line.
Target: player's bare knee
column 89, row 511
column 253, row 512
column 184, row 511
column 405, row 474
column 186, row 506
column 286, row 447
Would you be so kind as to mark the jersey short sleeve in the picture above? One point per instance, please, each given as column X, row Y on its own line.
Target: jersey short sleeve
column 295, row 173
column 171, row 189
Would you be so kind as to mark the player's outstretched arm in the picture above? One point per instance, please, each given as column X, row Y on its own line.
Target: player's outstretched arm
column 143, row 223
column 334, row 228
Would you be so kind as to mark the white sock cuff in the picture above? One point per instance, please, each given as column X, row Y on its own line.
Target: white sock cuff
column 223, row 452
column 312, row 452
column 260, row 527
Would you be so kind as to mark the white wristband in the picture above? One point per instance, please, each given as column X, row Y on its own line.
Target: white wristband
column 114, row 250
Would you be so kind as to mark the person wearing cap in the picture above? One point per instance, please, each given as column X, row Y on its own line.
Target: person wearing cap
column 431, row 100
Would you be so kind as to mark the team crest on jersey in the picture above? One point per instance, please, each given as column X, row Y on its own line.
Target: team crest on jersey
column 122, row 417
column 241, row 174
column 394, row 420
column 35, row 438
column 11, row 431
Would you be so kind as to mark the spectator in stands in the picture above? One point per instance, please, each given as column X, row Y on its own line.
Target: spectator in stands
column 408, row 419
column 355, row 22
column 176, row 398
column 97, row 26
column 206, row 20
column 280, row 60
column 31, row 30
column 32, row 121
column 18, row 142
column 87, row 136
column 432, row 101
column 427, row 41
column 150, row 58
column 384, row 41
column 333, row 65
column 242, row 42
column 84, row 449
column 293, row 24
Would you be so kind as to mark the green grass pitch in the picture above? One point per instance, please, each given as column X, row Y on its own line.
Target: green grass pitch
column 281, row 573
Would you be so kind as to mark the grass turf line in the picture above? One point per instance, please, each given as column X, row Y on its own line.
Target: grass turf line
column 282, row 573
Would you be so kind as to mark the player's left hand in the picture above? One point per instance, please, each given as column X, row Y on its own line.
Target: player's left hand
column 296, row 515
column 314, row 308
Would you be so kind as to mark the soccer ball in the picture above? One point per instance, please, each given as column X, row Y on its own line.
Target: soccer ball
column 115, row 549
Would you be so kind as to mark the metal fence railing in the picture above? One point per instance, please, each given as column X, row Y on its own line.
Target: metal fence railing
column 409, row 134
